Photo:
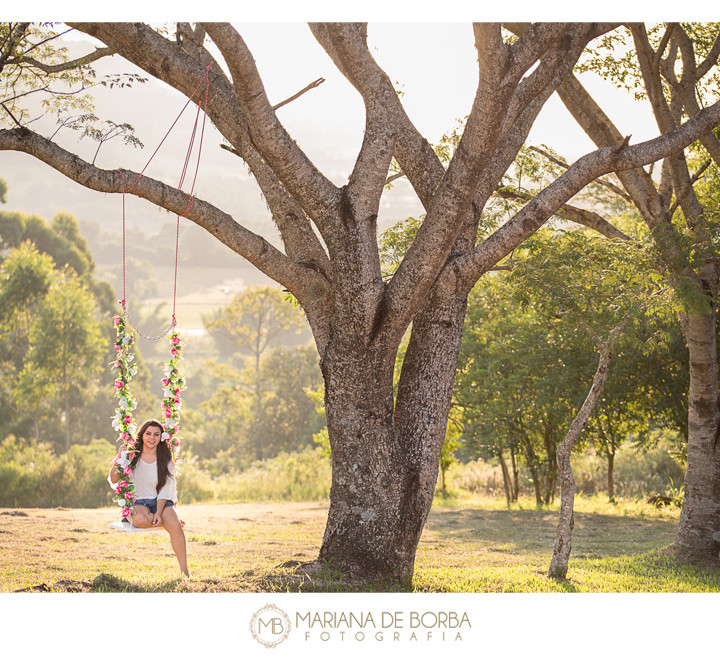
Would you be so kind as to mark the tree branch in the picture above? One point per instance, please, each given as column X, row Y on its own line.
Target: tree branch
column 312, row 85
column 254, row 248
column 580, row 173
column 574, row 214
column 315, row 193
column 66, row 66
column 688, row 186
column 600, row 181
column 168, row 62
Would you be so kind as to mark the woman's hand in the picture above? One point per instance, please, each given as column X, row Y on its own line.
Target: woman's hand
column 157, row 519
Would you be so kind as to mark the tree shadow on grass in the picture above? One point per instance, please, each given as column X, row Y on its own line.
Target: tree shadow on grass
column 533, row 531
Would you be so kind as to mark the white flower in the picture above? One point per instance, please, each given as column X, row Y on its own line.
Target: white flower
column 121, row 502
column 168, row 367
column 123, row 403
column 178, row 405
column 125, row 340
column 167, row 393
column 116, row 424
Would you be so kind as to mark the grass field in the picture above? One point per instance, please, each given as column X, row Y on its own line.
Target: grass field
column 469, row 545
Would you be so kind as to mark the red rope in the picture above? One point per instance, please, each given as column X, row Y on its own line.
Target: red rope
column 206, row 80
column 123, row 238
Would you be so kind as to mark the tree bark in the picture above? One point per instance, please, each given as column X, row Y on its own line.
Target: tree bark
column 700, row 514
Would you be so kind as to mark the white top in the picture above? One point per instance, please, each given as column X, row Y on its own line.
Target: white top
column 145, row 479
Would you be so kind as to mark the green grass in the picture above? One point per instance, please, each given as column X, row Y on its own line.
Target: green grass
column 469, row 545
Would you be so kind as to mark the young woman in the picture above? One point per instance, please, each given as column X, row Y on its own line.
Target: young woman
column 155, row 491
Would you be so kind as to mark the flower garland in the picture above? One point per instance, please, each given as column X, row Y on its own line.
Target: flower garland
column 123, row 420
column 172, row 383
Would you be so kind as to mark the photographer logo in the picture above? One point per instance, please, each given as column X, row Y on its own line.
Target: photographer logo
column 270, row 626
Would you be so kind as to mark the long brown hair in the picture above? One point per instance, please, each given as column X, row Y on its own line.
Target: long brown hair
column 163, row 453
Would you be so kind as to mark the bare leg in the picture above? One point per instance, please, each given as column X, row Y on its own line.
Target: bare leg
column 141, row 517
column 171, row 523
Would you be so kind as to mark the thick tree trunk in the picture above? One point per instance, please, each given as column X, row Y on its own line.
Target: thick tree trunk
column 365, row 531
column 385, row 463
column 700, row 515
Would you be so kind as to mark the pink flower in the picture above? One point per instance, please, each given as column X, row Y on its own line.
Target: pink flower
column 168, row 413
column 127, row 471
column 176, row 340
column 118, row 384
column 128, row 496
column 128, row 419
column 173, row 351
column 118, row 347
column 125, row 436
column 126, row 512
column 116, row 320
column 122, row 483
column 165, row 382
column 177, row 400
column 117, row 489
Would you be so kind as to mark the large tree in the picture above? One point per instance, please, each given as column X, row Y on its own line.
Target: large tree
column 385, row 448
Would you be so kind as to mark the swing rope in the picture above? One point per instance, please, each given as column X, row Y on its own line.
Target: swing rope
column 202, row 104
column 173, row 382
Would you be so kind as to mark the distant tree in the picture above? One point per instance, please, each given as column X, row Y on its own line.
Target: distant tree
column 288, row 419
column 256, row 320
column 66, row 346
column 25, row 279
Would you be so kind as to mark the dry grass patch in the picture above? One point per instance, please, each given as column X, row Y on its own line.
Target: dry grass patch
column 481, row 546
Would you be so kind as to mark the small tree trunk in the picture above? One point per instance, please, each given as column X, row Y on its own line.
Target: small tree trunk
column 566, row 521
column 516, row 476
column 532, row 465
column 506, row 476
column 67, row 420
column 610, row 484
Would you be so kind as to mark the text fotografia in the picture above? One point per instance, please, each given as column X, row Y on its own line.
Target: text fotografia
column 385, row 626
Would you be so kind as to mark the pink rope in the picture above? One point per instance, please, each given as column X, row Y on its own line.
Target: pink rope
column 188, row 155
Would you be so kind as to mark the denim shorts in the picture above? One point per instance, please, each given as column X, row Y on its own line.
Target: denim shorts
column 151, row 504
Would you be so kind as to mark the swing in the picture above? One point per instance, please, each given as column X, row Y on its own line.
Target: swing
column 173, row 383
